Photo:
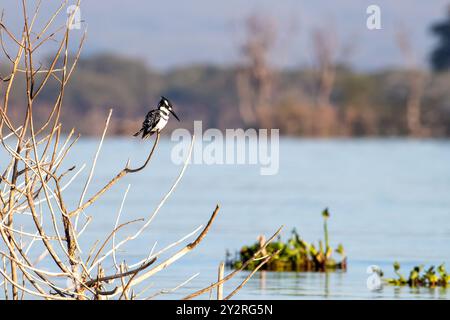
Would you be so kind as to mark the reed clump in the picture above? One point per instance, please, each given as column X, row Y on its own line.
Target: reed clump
column 295, row 254
column 419, row 276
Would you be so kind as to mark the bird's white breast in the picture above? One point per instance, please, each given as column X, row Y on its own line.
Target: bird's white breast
column 162, row 122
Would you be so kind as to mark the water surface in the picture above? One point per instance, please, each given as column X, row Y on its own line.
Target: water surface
column 389, row 200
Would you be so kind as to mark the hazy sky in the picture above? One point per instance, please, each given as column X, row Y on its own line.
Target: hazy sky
column 171, row 33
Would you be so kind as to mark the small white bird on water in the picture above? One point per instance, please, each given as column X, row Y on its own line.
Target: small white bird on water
column 156, row 119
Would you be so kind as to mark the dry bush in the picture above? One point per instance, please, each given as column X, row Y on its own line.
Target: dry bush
column 40, row 232
column 255, row 79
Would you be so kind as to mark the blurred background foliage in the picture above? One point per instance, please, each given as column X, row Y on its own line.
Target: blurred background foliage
column 326, row 99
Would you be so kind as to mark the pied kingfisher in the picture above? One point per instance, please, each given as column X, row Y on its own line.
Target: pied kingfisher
column 156, row 119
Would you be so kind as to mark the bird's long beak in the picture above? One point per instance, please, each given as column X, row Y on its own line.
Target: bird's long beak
column 173, row 112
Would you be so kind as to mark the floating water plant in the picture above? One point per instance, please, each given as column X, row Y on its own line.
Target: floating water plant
column 421, row 277
column 294, row 255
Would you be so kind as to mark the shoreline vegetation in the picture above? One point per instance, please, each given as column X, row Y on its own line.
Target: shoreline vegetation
column 372, row 104
column 293, row 255
column 324, row 98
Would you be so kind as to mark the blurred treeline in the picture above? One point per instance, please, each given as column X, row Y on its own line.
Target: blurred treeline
column 327, row 99
column 373, row 104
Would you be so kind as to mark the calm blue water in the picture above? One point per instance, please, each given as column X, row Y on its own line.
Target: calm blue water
column 389, row 200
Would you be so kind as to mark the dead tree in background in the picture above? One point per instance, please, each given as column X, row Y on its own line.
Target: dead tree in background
column 255, row 78
column 415, row 86
column 40, row 231
column 325, row 48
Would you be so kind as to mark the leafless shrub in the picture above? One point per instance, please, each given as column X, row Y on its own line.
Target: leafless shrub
column 255, row 78
column 416, row 84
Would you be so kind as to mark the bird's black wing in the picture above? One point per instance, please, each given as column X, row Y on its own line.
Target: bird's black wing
column 151, row 119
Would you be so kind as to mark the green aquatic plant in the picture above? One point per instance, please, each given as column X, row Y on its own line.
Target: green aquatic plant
column 419, row 277
column 294, row 254
column 325, row 215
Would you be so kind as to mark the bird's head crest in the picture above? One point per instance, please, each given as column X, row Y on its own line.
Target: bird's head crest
column 164, row 102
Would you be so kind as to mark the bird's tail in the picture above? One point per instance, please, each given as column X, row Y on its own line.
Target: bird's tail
column 138, row 133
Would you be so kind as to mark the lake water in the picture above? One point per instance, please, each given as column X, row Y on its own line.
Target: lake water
column 389, row 200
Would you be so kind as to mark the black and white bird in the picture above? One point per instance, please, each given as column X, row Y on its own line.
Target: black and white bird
column 156, row 119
